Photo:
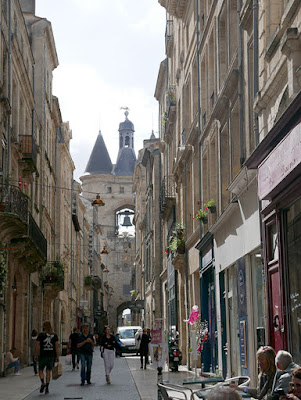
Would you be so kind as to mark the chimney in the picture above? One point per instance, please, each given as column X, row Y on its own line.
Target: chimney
column 28, row 6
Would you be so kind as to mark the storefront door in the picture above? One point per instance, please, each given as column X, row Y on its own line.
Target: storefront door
column 276, row 310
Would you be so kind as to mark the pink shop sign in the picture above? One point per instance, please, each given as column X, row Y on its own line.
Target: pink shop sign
column 283, row 164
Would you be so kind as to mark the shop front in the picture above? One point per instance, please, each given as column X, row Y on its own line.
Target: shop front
column 209, row 353
column 278, row 161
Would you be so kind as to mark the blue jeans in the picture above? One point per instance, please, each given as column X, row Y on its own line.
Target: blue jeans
column 14, row 364
column 85, row 374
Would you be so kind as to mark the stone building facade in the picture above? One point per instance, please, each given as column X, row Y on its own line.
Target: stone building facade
column 147, row 178
column 43, row 226
column 231, row 71
column 114, row 183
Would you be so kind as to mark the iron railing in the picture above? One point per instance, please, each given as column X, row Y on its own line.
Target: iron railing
column 14, row 201
column 167, row 192
column 36, row 236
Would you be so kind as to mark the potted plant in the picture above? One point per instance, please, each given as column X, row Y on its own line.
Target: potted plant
column 176, row 242
column 211, row 205
column 202, row 215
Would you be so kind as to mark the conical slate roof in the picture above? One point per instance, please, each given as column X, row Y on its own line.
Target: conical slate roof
column 125, row 163
column 99, row 161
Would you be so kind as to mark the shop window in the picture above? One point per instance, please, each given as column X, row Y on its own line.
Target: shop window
column 232, row 332
column 293, row 233
column 273, row 251
column 258, row 297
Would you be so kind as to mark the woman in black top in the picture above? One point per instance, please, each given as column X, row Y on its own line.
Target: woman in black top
column 145, row 339
column 108, row 344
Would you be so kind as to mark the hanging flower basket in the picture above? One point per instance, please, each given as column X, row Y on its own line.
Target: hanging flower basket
column 202, row 215
column 211, row 205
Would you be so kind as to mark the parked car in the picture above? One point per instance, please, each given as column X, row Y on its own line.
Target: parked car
column 127, row 337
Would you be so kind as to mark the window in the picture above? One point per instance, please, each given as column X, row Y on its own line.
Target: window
column 293, row 234
column 121, row 189
column 109, row 189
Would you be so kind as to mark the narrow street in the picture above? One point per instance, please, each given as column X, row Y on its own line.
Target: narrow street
column 129, row 382
column 68, row 385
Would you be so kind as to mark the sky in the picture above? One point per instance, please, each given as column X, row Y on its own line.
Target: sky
column 109, row 55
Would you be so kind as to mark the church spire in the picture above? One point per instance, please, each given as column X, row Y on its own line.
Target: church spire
column 99, row 161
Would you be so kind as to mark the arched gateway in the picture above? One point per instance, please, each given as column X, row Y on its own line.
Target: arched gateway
column 114, row 184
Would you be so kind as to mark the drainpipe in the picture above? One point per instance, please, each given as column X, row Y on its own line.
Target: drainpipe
column 186, row 260
column 199, row 107
column 255, row 67
column 160, row 238
column 240, row 87
column 9, row 94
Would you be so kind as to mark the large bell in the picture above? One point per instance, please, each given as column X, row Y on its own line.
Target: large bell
column 127, row 221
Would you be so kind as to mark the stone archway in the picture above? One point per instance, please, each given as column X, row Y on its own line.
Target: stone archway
column 136, row 306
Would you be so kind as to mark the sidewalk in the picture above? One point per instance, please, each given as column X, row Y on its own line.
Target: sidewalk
column 130, row 380
column 146, row 380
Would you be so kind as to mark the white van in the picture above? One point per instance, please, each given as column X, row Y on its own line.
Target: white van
column 127, row 337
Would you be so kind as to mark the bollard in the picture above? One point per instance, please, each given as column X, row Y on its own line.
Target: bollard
column 159, row 380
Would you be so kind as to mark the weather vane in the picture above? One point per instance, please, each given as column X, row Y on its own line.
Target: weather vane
column 126, row 111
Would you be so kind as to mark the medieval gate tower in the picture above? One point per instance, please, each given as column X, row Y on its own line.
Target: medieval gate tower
column 114, row 184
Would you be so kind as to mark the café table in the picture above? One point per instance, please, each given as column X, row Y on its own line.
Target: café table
column 203, row 394
column 203, row 380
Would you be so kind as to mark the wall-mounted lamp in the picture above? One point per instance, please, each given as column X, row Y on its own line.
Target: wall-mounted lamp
column 98, row 201
column 14, row 288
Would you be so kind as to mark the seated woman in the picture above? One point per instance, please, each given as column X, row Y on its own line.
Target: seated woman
column 13, row 361
column 266, row 362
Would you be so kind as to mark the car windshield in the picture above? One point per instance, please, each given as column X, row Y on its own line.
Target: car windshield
column 127, row 333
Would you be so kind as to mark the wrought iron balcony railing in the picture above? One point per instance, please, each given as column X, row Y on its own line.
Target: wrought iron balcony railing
column 37, row 236
column 12, row 200
column 167, row 192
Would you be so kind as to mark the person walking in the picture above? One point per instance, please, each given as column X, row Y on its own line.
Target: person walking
column 85, row 344
column 73, row 339
column 13, row 361
column 108, row 344
column 47, row 345
column 34, row 336
column 145, row 339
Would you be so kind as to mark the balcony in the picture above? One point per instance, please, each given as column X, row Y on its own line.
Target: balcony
column 13, row 213
column 37, row 237
column 167, row 194
column 53, row 278
column 29, row 149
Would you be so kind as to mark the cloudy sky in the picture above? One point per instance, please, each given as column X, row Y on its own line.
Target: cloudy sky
column 109, row 55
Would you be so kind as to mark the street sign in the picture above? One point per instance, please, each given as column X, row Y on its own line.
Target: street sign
column 83, row 303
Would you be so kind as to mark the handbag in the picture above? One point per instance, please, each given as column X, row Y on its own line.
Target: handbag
column 68, row 359
column 101, row 352
column 57, row 371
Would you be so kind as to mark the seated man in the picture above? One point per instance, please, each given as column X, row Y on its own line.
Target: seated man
column 286, row 366
column 12, row 362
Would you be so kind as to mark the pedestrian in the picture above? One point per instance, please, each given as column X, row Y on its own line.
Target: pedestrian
column 138, row 336
column 286, row 366
column 266, row 362
column 34, row 336
column 118, row 351
column 47, row 345
column 144, row 348
column 73, row 340
column 295, row 390
column 108, row 344
column 85, row 344
column 223, row 393
column 13, row 361
column 148, row 332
